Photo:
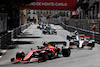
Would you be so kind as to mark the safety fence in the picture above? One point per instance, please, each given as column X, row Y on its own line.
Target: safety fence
column 6, row 39
column 90, row 27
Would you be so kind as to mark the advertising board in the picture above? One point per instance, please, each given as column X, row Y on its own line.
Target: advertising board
column 51, row 4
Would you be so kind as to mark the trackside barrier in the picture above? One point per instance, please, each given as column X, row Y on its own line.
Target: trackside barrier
column 19, row 29
column 5, row 39
column 89, row 27
column 2, row 41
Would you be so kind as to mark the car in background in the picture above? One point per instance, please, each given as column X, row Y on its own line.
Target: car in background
column 49, row 30
column 41, row 25
column 80, row 41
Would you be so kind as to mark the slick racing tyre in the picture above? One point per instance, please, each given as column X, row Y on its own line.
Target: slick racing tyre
column 66, row 52
column 45, row 57
column 20, row 55
column 93, row 44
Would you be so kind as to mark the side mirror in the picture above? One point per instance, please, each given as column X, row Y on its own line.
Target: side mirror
column 38, row 47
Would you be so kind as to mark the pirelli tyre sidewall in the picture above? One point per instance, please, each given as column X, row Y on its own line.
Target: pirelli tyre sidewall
column 66, row 52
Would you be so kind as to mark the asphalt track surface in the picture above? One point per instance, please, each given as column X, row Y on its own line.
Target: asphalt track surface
column 33, row 37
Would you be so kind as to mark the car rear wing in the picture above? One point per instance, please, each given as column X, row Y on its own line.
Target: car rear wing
column 57, row 43
column 87, row 37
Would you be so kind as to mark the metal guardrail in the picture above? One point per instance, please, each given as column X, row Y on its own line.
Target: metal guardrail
column 5, row 39
column 19, row 29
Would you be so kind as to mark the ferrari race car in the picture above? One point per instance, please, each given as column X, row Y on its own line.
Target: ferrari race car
column 81, row 41
column 57, row 48
column 42, row 53
column 49, row 30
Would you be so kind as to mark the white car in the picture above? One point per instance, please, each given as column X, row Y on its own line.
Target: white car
column 81, row 41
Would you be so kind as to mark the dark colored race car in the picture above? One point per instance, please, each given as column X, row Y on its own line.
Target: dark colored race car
column 73, row 35
column 42, row 53
column 49, row 30
column 81, row 41
column 41, row 26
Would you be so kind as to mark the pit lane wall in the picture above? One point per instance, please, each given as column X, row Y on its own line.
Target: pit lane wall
column 90, row 27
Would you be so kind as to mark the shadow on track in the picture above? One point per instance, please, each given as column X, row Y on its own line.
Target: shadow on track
column 22, row 42
column 28, row 37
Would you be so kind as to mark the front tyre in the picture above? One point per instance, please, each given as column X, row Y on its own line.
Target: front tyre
column 55, row 33
column 20, row 55
column 45, row 57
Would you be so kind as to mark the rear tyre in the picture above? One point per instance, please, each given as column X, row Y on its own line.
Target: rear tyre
column 66, row 52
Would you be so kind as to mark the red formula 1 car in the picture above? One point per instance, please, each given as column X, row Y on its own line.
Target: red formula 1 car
column 57, row 48
column 42, row 53
column 35, row 55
